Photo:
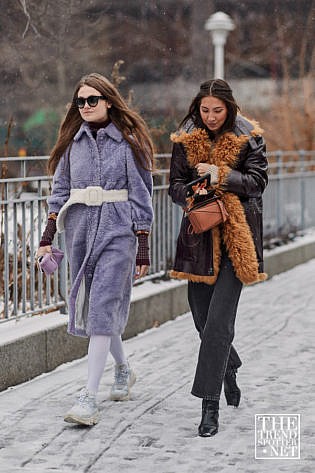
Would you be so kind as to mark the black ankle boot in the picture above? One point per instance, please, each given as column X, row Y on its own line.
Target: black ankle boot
column 231, row 390
column 209, row 420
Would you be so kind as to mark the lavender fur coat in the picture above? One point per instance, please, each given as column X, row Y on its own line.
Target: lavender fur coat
column 100, row 240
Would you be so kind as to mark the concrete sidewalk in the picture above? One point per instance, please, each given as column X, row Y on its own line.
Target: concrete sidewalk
column 156, row 431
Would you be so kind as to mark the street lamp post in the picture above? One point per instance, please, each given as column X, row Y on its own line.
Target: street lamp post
column 219, row 24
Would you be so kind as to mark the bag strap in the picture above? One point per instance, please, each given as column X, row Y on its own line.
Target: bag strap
column 223, row 210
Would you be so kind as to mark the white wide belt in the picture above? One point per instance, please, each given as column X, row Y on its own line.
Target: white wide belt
column 91, row 195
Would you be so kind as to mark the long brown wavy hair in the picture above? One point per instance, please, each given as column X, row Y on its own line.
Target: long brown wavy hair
column 215, row 88
column 129, row 122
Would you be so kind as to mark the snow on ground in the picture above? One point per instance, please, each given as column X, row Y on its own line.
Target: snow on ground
column 156, row 431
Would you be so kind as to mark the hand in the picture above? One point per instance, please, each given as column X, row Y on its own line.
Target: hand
column 141, row 271
column 204, row 168
column 202, row 191
column 42, row 250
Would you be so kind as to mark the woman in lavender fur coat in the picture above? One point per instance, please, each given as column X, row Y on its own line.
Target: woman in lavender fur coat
column 102, row 198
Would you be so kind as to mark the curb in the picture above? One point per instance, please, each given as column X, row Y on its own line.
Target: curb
column 38, row 345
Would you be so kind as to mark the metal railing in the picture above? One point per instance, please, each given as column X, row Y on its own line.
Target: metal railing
column 289, row 197
column 288, row 203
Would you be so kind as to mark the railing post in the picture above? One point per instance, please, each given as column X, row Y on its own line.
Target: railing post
column 6, row 275
column 302, row 188
column 63, row 276
column 23, row 254
column 39, row 234
column 32, row 261
column 15, row 279
column 279, row 190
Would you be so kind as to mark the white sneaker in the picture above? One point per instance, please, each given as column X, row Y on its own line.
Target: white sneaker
column 124, row 379
column 84, row 410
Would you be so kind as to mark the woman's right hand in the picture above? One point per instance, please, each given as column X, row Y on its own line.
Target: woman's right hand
column 204, row 168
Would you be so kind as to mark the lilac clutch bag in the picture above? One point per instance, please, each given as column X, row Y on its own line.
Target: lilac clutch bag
column 50, row 261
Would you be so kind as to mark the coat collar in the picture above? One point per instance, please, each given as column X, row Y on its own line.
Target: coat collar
column 111, row 130
column 244, row 126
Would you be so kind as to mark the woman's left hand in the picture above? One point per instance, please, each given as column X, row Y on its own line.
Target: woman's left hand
column 141, row 271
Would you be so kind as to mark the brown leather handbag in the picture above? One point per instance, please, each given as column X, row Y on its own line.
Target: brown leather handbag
column 206, row 215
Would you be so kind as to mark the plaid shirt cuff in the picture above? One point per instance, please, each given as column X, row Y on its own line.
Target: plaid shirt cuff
column 49, row 232
column 143, row 256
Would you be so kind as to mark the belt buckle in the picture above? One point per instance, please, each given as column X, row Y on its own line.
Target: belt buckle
column 95, row 195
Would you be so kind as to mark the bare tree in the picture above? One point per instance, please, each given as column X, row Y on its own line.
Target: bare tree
column 294, row 110
column 46, row 46
column 29, row 23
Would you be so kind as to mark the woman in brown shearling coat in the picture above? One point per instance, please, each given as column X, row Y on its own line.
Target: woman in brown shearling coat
column 214, row 138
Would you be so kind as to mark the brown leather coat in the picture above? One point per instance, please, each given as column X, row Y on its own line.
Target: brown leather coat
column 241, row 158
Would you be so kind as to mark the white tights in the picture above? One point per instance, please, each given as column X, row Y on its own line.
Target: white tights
column 99, row 347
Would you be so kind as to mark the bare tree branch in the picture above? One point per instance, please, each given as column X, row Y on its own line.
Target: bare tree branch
column 29, row 23
column 285, row 96
column 116, row 77
column 308, row 28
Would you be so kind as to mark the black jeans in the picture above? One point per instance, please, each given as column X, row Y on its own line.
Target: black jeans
column 214, row 310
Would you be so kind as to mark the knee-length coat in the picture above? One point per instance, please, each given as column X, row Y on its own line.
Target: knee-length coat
column 241, row 158
column 100, row 240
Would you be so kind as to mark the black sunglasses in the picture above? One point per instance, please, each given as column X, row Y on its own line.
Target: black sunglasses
column 92, row 100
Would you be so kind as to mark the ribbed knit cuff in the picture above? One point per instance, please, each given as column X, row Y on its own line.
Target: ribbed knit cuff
column 143, row 256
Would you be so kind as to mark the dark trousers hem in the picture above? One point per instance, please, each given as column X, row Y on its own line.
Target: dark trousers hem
column 207, row 397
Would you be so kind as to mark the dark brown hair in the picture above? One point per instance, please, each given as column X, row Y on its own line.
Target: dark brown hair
column 215, row 88
column 129, row 122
